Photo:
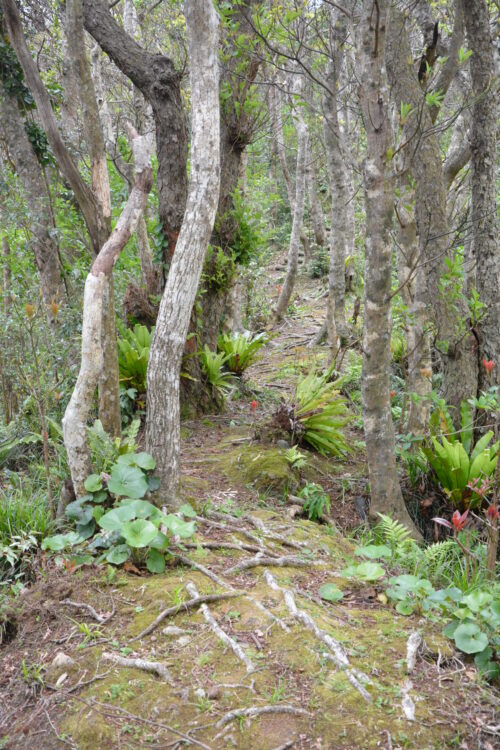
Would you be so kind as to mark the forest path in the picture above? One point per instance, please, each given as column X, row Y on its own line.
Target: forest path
column 233, row 646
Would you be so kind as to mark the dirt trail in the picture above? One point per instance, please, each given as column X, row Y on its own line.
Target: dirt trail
column 232, row 647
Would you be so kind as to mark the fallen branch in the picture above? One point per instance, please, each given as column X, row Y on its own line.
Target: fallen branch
column 185, row 606
column 337, row 655
column 220, row 633
column 88, row 607
column 280, row 562
column 206, row 571
column 250, row 713
column 155, row 667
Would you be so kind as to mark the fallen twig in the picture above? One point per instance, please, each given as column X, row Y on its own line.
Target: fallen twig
column 185, row 606
column 155, row 667
column 220, row 633
column 90, row 609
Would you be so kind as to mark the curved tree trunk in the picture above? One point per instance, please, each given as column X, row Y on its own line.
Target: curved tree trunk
column 485, row 237
column 31, row 177
column 318, row 221
column 385, row 491
column 163, row 408
column 96, row 296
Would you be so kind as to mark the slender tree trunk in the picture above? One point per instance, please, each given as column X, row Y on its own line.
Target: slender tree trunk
column 163, row 408
column 7, row 276
column 318, row 221
column 298, row 217
column 385, row 491
column 96, row 297
column 336, row 176
column 30, row 176
column 423, row 159
column 485, row 240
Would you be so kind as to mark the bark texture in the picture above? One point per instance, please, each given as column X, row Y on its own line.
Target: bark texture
column 451, row 336
column 163, row 408
column 318, row 221
column 34, row 187
column 298, row 218
column 485, row 239
column 160, row 83
column 96, row 297
column 385, row 492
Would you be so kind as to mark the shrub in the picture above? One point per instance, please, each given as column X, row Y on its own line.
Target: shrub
column 217, row 376
column 319, row 264
column 240, row 350
column 317, row 502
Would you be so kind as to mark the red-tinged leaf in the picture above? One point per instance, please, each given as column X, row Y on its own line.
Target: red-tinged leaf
column 443, row 522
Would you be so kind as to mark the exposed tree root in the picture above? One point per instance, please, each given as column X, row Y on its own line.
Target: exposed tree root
column 220, row 633
column 280, row 562
column 193, row 603
column 155, row 667
column 92, row 612
column 337, row 655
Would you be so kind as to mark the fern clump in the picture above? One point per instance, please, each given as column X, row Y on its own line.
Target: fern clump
column 213, row 365
column 316, row 416
column 133, row 356
column 240, row 350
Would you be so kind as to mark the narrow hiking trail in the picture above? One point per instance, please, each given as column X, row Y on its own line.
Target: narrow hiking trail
column 232, row 647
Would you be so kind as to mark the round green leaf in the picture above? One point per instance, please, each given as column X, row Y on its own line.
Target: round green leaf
column 404, row 608
column 469, row 638
column 367, row 571
column 477, row 600
column 178, row 527
column 93, row 483
column 142, row 460
column 127, row 481
column 330, row 592
column 117, row 555
column 60, row 541
column 160, row 542
column 153, row 483
column 139, row 533
column 187, row 511
column 114, row 519
column 155, row 562
column 373, row 551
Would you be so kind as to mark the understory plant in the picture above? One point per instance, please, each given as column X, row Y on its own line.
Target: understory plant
column 316, row 415
column 465, row 471
column 113, row 523
column 317, row 502
column 240, row 350
column 133, row 356
column 213, row 365
column 430, row 581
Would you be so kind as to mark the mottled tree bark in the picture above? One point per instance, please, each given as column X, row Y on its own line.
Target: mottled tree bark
column 32, row 181
column 385, row 492
column 160, row 83
column 336, row 177
column 318, row 221
column 451, row 336
column 485, row 239
column 298, row 218
column 163, row 408
column 95, row 299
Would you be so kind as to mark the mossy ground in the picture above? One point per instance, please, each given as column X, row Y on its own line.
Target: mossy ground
column 237, row 483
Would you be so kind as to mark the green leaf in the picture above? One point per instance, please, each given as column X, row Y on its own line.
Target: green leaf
column 117, row 555
column 142, row 460
column 469, row 638
column 114, row 519
column 178, row 527
column 373, row 551
column 139, row 533
column 330, row 592
column 187, row 510
column 60, row 541
column 155, row 562
column 93, row 483
column 160, row 542
column 153, row 483
column 487, row 667
column 127, row 481
column 366, row 571
column 477, row 600
column 404, row 608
